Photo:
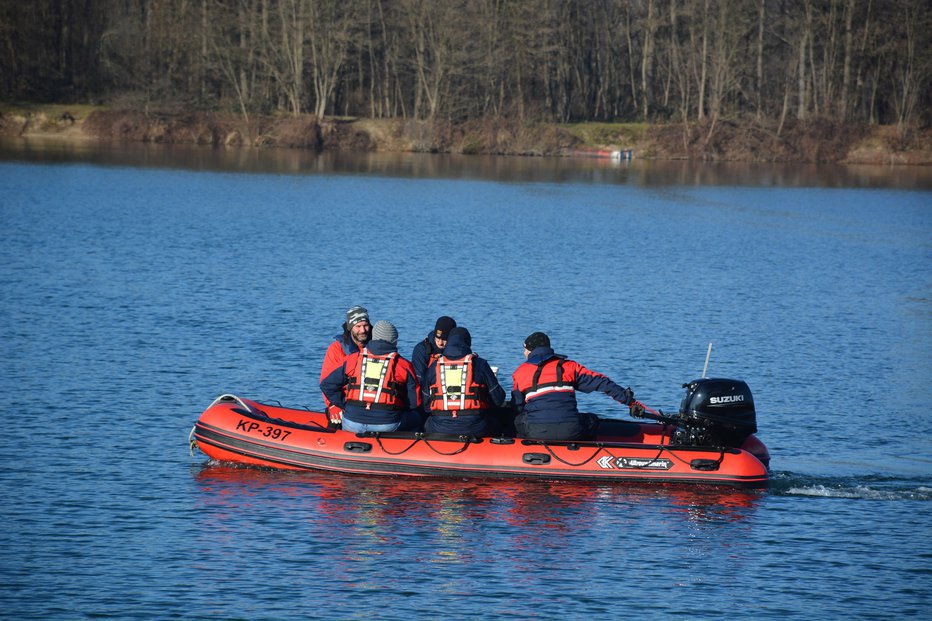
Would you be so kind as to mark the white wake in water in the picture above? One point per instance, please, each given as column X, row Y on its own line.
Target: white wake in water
column 860, row 491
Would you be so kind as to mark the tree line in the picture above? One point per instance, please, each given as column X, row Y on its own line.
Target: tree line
column 862, row 61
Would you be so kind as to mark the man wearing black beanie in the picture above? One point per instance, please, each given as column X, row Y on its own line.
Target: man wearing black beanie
column 544, row 394
column 428, row 349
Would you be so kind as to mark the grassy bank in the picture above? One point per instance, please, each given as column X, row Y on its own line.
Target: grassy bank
column 729, row 140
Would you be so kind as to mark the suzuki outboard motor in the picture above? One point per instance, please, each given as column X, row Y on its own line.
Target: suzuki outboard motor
column 716, row 412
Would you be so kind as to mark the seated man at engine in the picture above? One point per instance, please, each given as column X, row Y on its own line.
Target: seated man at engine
column 544, row 394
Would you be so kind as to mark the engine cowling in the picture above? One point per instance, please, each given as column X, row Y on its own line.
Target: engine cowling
column 716, row 411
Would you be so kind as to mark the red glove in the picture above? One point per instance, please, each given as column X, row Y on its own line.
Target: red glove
column 335, row 414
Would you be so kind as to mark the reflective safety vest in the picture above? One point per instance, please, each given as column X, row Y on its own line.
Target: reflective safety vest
column 548, row 378
column 454, row 389
column 378, row 388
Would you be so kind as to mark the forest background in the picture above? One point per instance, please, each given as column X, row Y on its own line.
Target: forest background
column 778, row 80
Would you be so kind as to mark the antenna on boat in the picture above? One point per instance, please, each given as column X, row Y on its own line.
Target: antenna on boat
column 708, row 355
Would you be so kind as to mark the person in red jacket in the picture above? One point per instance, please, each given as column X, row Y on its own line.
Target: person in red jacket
column 357, row 331
column 375, row 389
column 544, row 394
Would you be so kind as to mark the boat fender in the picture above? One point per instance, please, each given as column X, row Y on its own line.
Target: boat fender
column 357, row 447
column 706, row 465
column 536, row 459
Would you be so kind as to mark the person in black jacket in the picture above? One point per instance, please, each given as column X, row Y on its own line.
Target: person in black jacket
column 431, row 346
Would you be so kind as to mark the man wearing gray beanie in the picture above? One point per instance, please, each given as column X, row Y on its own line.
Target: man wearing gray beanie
column 356, row 333
column 375, row 389
column 385, row 331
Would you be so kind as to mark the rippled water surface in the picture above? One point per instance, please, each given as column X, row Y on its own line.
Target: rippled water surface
column 134, row 290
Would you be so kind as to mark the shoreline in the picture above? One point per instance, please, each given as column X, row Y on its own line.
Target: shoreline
column 815, row 141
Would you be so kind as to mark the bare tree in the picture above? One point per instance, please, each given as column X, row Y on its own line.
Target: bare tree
column 913, row 64
column 283, row 45
column 863, row 61
column 439, row 43
column 761, row 22
column 647, row 58
column 727, row 33
column 703, row 61
column 331, row 35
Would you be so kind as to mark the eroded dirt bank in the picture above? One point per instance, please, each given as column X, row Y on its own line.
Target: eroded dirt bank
column 811, row 141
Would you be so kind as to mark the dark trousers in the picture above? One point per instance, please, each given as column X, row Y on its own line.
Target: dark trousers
column 478, row 425
column 584, row 427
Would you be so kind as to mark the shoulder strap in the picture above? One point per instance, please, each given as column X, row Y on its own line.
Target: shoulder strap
column 559, row 380
column 390, row 361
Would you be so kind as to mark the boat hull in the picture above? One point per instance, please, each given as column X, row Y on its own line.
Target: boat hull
column 247, row 432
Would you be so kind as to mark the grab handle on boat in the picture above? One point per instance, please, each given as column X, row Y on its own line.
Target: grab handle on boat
column 357, row 447
column 231, row 398
column 706, row 465
column 536, row 459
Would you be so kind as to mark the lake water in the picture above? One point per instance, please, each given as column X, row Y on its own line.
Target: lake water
column 138, row 284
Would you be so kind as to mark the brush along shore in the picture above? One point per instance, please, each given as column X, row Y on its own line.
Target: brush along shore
column 747, row 140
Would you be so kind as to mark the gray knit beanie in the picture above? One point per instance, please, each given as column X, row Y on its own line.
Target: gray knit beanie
column 384, row 331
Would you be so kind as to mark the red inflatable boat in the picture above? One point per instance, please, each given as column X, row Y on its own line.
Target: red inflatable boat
column 710, row 442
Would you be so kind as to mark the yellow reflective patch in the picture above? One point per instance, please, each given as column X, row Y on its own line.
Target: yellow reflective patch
column 373, row 373
column 453, row 378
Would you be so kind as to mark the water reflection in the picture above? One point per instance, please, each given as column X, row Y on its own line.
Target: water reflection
column 359, row 534
column 445, row 505
column 494, row 168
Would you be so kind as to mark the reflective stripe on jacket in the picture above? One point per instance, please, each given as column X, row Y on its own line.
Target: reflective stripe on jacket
column 545, row 389
column 548, row 378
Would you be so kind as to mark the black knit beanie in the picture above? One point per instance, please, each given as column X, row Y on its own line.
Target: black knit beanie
column 537, row 339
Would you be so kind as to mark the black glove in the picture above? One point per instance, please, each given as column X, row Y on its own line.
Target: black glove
column 629, row 396
column 637, row 410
